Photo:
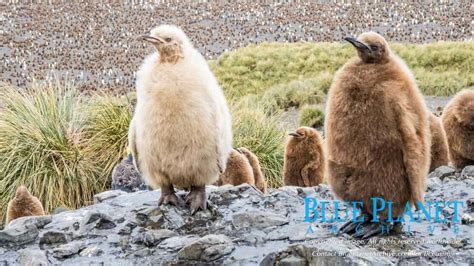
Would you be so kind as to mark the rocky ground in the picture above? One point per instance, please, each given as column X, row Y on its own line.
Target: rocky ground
column 241, row 227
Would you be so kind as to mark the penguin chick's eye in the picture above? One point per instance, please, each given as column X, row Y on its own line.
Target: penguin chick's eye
column 374, row 47
column 168, row 39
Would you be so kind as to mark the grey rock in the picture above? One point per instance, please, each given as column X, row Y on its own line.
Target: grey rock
column 31, row 221
column 258, row 219
column 292, row 261
column 55, row 237
column 67, row 250
column 107, row 195
column 60, row 209
column 131, row 229
column 32, row 257
column 208, row 248
column 96, row 220
column 151, row 238
column 177, row 242
column 91, row 252
column 468, row 172
column 467, row 219
column 295, row 232
column 442, row 172
column 470, row 203
column 14, row 236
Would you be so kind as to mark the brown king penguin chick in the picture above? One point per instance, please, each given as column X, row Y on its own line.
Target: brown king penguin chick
column 260, row 182
column 304, row 161
column 24, row 204
column 237, row 171
column 377, row 134
column 458, row 122
column 439, row 144
column 180, row 134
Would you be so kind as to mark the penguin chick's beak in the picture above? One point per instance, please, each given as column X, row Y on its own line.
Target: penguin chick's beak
column 358, row 45
column 148, row 38
column 296, row 135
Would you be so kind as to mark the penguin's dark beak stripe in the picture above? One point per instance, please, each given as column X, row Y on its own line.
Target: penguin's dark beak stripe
column 151, row 39
column 294, row 134
column 359, row 45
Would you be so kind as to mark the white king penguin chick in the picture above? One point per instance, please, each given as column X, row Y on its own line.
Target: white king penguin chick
column 180, row 135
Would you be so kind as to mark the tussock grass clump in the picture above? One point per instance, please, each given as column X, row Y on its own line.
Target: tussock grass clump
column 42, row 147
column 261, row 133
column 106, row 128
column 311, row 116
column 257, row 68
column 298, row 92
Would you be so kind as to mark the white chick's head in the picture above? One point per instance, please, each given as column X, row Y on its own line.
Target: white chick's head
column 170, row 42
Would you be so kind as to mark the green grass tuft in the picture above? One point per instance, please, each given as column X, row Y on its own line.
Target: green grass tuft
column 297, row 93
column 261, row 133
column 106, row 128
column 42, row 147
column 311, row 116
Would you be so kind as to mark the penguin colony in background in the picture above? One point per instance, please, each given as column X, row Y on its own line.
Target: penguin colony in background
column 381, row 140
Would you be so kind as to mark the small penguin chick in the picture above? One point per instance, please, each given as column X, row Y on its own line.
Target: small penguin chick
column 304, row 161
column 260, row 182
column 23, row 204
column 458, row 122
column 238, row 171
column 439, row 144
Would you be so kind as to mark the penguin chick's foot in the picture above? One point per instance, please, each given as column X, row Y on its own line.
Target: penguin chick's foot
column 372, row 229
column 351, row 226
column 169, row 197
column 197, row 199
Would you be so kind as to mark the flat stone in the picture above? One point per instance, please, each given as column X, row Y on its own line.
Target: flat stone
column 258, row 219
column 18, row 236
column 177, row 242
column 151, row 238
column 207, row 248
column 31, row 221
column 295, row 232
column 467, row 219
column 54, row 237
column 442, row 172
column 68, row 250
column 91, row 252
column 32, row 257
column 96, row 220
column 107, row 195
column 60, row 209
column 292, row 261
column 468, row 172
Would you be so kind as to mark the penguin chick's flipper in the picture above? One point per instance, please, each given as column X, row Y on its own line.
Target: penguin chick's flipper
column 169, row 197
column 351, row 226
column 197, row 199
column 372, row 229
